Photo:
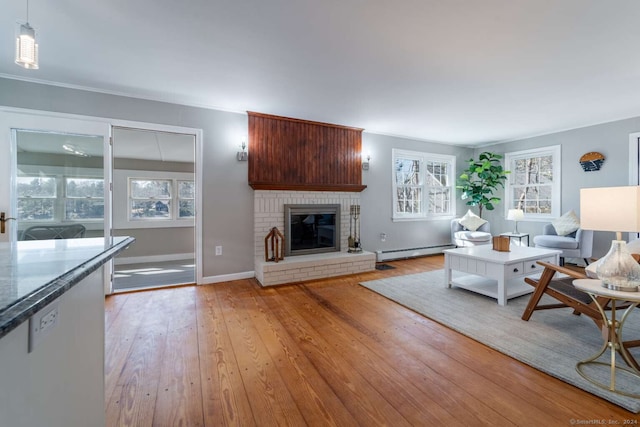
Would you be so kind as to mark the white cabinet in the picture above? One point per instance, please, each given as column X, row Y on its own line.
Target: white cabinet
column 61, row 382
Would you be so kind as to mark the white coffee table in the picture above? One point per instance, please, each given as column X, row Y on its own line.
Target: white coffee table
column 496, row 274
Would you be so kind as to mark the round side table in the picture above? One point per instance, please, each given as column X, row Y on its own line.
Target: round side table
column 613, row 339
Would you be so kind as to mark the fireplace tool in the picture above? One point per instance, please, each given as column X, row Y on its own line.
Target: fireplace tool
column 354, row 229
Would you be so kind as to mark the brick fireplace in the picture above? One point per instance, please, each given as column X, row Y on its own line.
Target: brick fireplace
column 269, row 212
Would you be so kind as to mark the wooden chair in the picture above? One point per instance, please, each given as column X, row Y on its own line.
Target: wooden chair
column 562, row 289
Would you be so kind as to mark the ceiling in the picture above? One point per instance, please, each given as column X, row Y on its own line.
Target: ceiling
column 463, row 72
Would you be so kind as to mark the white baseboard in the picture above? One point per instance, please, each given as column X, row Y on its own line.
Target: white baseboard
column 410, row 253
column 228, row 277
column 153, row 258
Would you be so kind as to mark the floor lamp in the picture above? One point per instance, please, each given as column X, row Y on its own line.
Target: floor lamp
column 614, row 209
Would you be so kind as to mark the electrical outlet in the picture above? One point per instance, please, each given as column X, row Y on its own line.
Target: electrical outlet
column 383, row 237
column 218, row 250
column 42, row 323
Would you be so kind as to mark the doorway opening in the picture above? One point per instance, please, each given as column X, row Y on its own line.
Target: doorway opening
column 154, row 200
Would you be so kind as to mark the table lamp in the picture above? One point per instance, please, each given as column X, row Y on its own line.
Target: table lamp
column 613, row 209
column 515, row 215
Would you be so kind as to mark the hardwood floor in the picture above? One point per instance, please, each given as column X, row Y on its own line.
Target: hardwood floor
column 322, row 353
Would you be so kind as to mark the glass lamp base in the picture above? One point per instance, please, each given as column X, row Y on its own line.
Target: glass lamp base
column 633, row 288
column 618, row 270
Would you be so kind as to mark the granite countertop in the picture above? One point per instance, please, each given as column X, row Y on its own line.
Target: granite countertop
column 36, row 272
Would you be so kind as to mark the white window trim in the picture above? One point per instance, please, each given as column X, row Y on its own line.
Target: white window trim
column 556, row 198
column 423, row 156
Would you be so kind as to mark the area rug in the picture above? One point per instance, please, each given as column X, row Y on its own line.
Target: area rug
column 552, row 341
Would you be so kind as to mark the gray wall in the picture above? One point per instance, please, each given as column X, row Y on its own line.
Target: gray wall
column 610, row 139
column 154, row 241
column 376, row 199
column 227, row 199
column 158, row 241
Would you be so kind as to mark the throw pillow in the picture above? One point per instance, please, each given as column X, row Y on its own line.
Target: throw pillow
column 566, row 224
column 471, row 221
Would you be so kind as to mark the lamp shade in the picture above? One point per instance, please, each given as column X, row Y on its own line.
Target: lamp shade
column 610, row 209
column 515, row 215
column 613, row 209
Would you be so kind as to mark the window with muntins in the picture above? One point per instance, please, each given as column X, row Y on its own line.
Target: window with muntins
column 155, row 199
column 534, row 182
column 423, row 185
column 186, row 199
column 149, row 199
column 39, row 198
column 84, row 199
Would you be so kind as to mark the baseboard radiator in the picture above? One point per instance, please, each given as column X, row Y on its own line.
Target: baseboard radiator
column 410, row 253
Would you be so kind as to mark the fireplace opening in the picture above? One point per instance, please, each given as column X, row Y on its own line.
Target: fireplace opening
column 311, row 229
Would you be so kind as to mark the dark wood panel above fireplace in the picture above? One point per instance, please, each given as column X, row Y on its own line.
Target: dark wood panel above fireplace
column 293, row 154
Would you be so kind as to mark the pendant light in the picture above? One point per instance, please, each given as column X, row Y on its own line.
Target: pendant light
column 26, row 46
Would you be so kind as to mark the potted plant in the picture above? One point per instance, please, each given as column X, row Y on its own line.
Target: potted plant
column 482, row 178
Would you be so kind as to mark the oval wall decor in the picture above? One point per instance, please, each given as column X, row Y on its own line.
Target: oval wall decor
column 591, row 161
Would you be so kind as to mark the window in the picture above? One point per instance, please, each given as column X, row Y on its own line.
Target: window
column 40, row 198
column 36, row 198
column 149, row 198
column 186, row 199
column 423, row 185
column 154, row 199
column 534, row 182
column 84, row 199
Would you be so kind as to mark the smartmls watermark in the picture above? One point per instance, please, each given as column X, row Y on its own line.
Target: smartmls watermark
column 604, row 422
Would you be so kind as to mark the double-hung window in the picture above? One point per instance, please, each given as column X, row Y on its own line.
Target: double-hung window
column 150, row 198
column 423, row 185
column 37, row 198
column 186, row 199
column 534, row 182
column 161, row 199
column 84, row 199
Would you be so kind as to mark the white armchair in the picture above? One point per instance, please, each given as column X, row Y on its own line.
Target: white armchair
column 462, row 237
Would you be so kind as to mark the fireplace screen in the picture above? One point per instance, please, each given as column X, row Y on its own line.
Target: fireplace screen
column 311, row 229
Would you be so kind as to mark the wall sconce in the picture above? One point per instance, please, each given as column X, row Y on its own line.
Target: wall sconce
column 365, row 165
column 243, row 155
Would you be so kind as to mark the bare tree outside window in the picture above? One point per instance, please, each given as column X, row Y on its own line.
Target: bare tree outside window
column 186, row 199
column 534, row 181
column 150, row 199
column 409, row 187
column 84, row 198
column 422, row 184
column 36, row 198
